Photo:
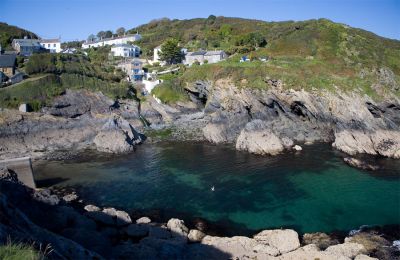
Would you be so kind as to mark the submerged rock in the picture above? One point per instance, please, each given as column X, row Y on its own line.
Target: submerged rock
column 360, row 164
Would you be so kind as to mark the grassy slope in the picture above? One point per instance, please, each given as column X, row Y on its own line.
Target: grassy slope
column 9, row 32
column 12, row 251
column 313, row 54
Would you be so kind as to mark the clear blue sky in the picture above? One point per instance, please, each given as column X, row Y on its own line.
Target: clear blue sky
column 76, row 19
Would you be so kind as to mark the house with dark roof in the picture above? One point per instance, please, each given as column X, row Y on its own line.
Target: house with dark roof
column 204, row 57
column 27, row 47
column 7, row 64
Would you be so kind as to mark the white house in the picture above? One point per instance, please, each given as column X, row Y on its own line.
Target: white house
column 53, row 45
column 112, row 41
column 156, row 54
column 125, row 50
column 204, row 57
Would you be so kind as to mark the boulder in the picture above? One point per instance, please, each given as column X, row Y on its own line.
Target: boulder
column 143, row 220
column 311, row 251
column 121, row 217
column 8, row 175
column 137, row 230
column 349, row 249
column 177, row 227
column 46, row 197
column 195, row 235
column 284, row 240
column 110, row 216
column 258, row 140
column 321, row 240
column 365, row 257
column 113, row 141
column 297, row 147
column 238, row 247
column 91, row 208
column 70, row 197
column 360, row 164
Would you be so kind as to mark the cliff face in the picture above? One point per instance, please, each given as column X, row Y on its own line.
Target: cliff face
column 353, row 123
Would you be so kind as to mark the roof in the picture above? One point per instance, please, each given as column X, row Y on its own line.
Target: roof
column 49, row 40
column 28, row 42
column 125, row 45
column 197, row 53
column 119, row 37
column 7, row 61
column 209, row 53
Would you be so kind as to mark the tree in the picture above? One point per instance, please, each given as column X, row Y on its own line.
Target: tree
column 120, row 31
column 91, row 38
column 108, row 34
column 101, row 34
column 171, row 52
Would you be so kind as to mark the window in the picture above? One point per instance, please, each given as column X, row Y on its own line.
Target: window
column 54, row 45
column 48, row 45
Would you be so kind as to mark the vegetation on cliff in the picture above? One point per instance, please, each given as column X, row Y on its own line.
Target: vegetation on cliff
column 313, row 54
column 52, row 74
column 9, row 32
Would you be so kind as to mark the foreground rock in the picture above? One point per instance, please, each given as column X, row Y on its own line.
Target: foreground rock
column 284, row 240
column 114, row 141
column 26, row 216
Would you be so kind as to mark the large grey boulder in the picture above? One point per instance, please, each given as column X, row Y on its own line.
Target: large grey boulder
column 143, row 220
column 113, row 141
column 254, row 138
column 349, row 249
column 110, row 216
column 284, row 240
column 195, row 235
column 177, row 227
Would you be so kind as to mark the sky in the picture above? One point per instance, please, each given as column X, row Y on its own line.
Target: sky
column 76, row 19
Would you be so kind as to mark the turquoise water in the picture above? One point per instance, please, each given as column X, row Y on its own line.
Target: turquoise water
column 309, row 191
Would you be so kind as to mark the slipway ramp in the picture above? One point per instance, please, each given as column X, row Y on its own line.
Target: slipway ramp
column 22, row 167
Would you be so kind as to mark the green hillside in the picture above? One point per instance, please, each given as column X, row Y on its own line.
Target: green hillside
column 313, row 54
column 9, row 32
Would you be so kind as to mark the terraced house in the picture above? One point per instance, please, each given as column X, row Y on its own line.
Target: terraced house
column 26, row 47
column 53, row 45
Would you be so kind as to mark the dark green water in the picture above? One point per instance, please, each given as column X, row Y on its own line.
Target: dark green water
column 309, row 191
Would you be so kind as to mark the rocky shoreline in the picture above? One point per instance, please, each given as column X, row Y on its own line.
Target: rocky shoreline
column 79, row 231
column 264, row 122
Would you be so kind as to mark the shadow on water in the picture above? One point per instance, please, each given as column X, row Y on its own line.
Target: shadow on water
column 50, row 182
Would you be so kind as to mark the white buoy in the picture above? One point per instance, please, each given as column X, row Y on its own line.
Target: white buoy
column 212, row 188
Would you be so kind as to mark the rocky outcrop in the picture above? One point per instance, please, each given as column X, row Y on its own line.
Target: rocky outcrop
column 113, row 141
column 255, row 138
column 354, row 123
column 38, row 134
